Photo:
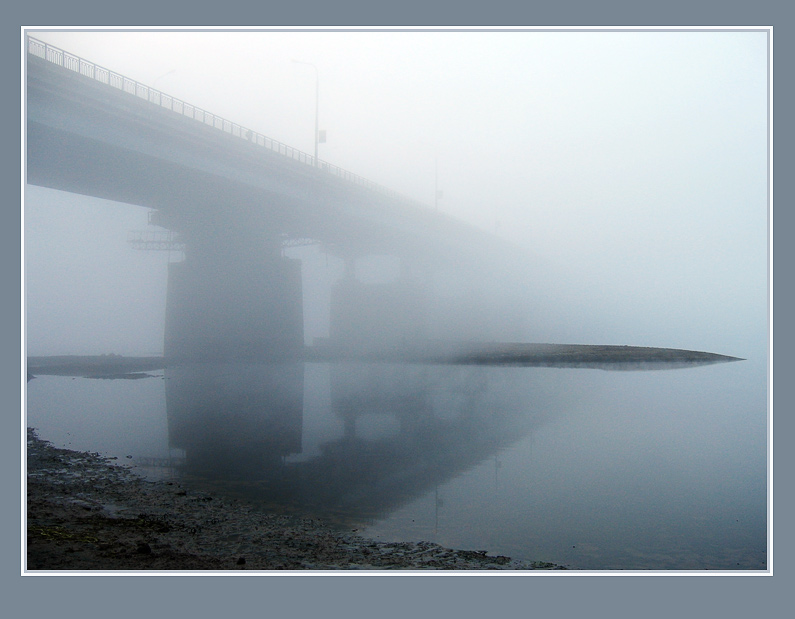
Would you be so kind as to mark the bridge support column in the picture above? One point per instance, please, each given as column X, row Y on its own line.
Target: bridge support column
column 378, row 317
column 223, row 307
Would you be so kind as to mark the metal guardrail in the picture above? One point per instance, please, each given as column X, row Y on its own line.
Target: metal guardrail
column 106, row 76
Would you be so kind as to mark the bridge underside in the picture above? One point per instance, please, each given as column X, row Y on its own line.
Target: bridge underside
column 235, row 296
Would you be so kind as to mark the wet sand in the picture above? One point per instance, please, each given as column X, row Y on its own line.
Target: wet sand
column 87, row 513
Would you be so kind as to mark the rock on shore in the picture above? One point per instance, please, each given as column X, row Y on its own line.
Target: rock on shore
column 85, row 513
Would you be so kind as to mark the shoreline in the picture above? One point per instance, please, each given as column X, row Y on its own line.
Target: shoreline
column 85, row 513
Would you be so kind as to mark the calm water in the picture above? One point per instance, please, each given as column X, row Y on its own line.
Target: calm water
column 652, row 470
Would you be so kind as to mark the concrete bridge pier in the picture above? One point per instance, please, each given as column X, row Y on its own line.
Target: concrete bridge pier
column 369, row 317
column 230, row 302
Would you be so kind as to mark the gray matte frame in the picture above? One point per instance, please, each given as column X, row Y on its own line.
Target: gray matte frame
column 398, row 596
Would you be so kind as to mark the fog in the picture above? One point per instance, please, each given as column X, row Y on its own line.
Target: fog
column 632, row 166
column 618, row 183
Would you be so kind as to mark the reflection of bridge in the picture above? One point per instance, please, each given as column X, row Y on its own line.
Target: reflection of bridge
column 397, row 430
column 234, row 196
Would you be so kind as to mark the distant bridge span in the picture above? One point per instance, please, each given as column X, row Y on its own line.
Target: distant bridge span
column 233, row 195
column 93, row 132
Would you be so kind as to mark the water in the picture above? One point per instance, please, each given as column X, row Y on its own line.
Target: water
column 645, row 470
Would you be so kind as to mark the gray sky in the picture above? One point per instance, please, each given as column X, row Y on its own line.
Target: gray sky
column 634, row 164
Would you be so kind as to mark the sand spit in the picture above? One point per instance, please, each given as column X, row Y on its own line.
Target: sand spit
column 87, row 513
column 439, row 353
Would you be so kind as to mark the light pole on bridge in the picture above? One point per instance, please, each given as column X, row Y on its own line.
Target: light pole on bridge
column 317, row 103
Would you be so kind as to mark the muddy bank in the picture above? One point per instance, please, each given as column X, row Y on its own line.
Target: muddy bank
column 96, row 366
column 87, row 513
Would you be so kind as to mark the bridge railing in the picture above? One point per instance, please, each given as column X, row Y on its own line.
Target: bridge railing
column 155, row 240
column 161, row 99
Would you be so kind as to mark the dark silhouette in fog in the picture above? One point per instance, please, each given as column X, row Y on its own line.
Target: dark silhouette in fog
column 242, row 422
column 233, row 203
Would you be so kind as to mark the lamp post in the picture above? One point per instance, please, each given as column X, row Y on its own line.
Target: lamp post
column 317, row 103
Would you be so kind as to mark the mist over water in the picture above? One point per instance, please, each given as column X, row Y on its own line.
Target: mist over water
column 588, row 468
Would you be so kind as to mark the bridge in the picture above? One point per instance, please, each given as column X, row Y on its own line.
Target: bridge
column 235, row 198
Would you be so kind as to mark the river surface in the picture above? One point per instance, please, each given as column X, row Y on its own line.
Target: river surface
column 592, row 469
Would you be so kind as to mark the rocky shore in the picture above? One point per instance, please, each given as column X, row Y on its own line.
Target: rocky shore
column 87, row 513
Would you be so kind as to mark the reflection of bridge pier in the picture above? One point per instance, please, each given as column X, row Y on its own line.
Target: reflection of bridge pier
column 235, row 419
column 408, row 428
column 381, row 392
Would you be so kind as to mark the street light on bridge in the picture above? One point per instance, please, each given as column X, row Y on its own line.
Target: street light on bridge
column 317, row 104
